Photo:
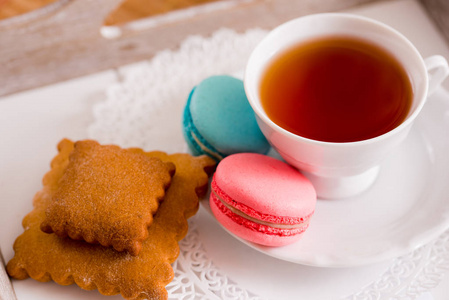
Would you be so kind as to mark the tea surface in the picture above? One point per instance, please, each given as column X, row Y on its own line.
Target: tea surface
column 336, row 89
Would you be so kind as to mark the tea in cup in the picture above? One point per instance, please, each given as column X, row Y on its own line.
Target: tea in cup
column 335, row 93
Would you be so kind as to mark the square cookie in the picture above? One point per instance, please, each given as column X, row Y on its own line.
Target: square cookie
column 107, row 195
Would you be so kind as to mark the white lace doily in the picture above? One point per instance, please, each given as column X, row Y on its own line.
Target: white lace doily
column 145, row 111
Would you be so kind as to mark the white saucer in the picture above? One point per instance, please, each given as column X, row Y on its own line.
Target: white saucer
column 407, row 206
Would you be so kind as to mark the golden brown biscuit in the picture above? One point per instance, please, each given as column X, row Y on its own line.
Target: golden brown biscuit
column 46, row 257
column 107, row 195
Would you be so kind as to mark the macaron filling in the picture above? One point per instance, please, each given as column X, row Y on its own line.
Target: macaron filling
column 257, row 221
column 197, row 141
column 201, row 145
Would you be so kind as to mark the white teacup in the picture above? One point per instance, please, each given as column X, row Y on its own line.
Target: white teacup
column 340, row 169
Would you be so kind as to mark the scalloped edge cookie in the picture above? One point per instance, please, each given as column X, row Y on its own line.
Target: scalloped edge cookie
column 107, row 195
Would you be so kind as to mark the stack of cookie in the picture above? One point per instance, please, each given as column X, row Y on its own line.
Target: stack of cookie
column 109, row 219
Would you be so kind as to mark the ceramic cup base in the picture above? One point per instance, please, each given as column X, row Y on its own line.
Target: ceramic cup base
column 343, row 187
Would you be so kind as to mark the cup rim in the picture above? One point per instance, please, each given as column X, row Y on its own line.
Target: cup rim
column 252, row 93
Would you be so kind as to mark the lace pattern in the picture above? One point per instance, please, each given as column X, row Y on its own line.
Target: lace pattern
column 196, row 276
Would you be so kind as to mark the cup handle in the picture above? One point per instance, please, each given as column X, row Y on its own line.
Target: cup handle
column 437, row 69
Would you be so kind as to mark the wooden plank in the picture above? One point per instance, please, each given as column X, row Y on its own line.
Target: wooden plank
column 130, row 10
column 11, row 8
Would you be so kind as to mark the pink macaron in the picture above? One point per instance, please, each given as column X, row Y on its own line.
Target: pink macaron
column 261, row 199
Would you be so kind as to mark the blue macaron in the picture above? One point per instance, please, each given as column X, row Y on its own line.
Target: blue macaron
column 218, row 119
